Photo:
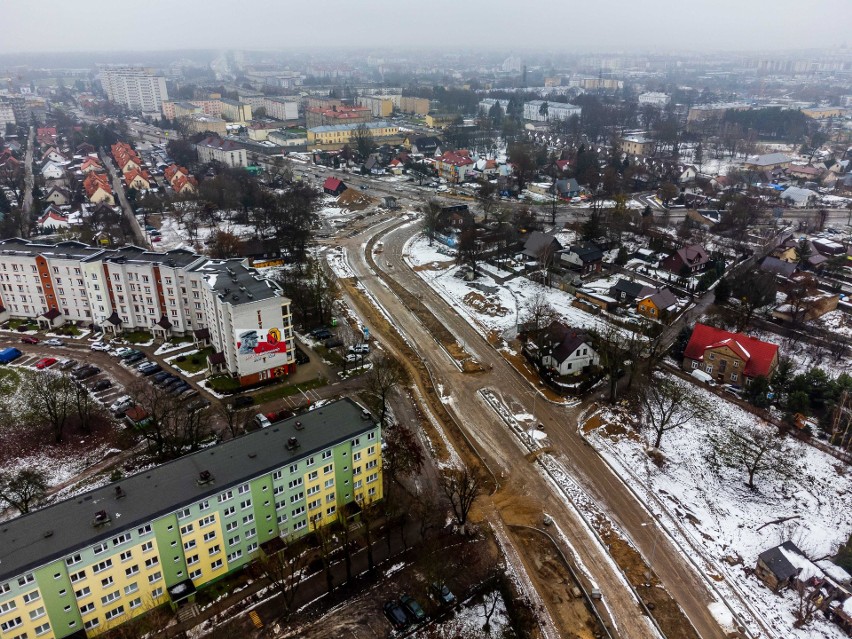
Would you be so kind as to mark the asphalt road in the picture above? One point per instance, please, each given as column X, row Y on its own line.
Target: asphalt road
column 118, row 190
column 506, row 458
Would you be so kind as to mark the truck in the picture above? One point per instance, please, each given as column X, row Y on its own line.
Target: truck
column 9, row 355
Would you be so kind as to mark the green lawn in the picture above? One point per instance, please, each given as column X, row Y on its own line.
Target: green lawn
column 14, row 324
column 224, row 384
column 195, row 362
column 285, row 391
column 137, row 337
column 181, row 339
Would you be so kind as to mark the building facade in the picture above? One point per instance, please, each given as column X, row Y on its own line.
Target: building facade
column 654, row 98
column 281, row 109
column 380, row 106
column 327, row 137
column 88, row 564
column 172, row 293
column 219, row 150
column 134, row 87
column 555, row 111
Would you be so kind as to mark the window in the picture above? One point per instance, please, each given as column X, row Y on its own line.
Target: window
column 251, row 547
column 210, row 536
column 4, row 588
column 709, row 368
column 148, row 545
column 242, row 490
column 77, row 576
column 185, row 530
column 135, row 603
column 189, row 545
column 157, row 593
column 206, row 521
column 115, row 612
column 183, row 514
column 121, row 539
column 87, row 607
column 314, row 504
column 230, row 510
column 295, row 482
column 100, row 548
column 195, row 574
column 92, row 623
column 37, row 613
column 251, row 533
column 127, row 555
column 371, row 492
column 153, row 561
column 155, row 577
column 294, row 468
column 371, row 464
column 232, row 526
column 327, row 469
column 373, row 477
column 216, row 564
column 204, row 505
column 300, row 525
column 357, row 484
column 193, row 559
column 100, row 567
column 278, row 490
column 696, row 364
column 300, row 495
column 311, row 461
column 329, row 498
column 6, row 626
column 297, row 511
column 712, row 356
column 326, row 454
column 233, row 541
column 371, row 436
column 7, row 607
column 277, row 474
column 248, row 518
column 235, row 555
column 330, row 511
column 134, row 569
column 356, row 456
column 113, row 596
column 73, row 559
column 734, row 377
column 313, row 475
column 213, row 550
column 31, row 596
column 144, row 530
column 736, row 364
column 26, row 579
column 225, row 496
column 42, row 629
column 106, row 582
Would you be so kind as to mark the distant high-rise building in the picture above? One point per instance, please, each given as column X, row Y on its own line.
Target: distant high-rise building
column 134, row 87
column 512, row 64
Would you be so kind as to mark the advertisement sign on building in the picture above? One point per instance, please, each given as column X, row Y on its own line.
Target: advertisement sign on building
column 260, row 349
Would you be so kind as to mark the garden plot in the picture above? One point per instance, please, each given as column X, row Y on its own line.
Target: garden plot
column 490, row 306
column 717, row 516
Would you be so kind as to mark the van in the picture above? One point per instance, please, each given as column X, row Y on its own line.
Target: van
column 703, row 377
column 9, row 355
column 262, row 420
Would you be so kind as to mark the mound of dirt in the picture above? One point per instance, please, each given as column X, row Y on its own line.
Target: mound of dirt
column 481, row 304
column 354, row 200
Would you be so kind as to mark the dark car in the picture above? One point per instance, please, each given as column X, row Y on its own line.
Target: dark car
column 131, row 353
column 170, row 381
column 159, row 377
column 86, row 373
column 200, row 404
column 178, row 389
column 396, row 615
column 443, row 594
column 134, row 358
column 101, row 384
column 301, row 357
column 320, row 333
column 412, row 609
column 29, row 339
column 333, row 342
column 243, row 400
column 156, row 368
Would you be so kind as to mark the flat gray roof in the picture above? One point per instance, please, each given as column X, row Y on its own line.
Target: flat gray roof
column 161, row 490
column 235, row 283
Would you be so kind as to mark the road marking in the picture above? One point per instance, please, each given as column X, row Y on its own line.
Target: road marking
column 255, row 619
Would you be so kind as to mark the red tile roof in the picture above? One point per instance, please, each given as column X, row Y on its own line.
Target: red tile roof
column 331, row 184
column 757, row 354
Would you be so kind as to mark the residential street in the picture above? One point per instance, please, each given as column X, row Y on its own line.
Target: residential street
column 28, row 169
column 118, row 191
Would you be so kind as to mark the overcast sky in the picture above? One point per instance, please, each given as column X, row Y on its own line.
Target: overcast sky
column 568, row 25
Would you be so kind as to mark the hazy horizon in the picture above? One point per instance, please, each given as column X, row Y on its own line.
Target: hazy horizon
column 658, row 26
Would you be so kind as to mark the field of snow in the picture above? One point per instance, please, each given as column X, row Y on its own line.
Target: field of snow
column 485, row 303
column 716, row 516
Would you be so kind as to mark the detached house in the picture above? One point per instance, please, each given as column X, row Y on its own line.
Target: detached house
column 90, row 164
column 454, row 165
column 333, row 186
column 136, row 179
column 689, row 259
column 585, row 258
column 52, row 170
column 659, row 305
column 729, row 357
column 566, row 351
column 429, row 146
column 98, row 190
column 59, row 196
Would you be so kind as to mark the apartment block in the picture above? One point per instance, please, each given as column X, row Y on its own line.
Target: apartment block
column 134, row 87
column 380, row 106
column 328, row 137
column 85, row 565
column 225, row 151
column 281, row 109
column 244, row 315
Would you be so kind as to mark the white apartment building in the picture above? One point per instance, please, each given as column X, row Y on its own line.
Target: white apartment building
column 555, row 111
column 224, row 151
column 134, row 87
column 171, row 293
column 281, row 109
column 7, row 116
column 654, row 97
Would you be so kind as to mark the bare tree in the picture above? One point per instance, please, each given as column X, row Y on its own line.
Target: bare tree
column 326, row 548
column 386, row 375
column 808, row 599
column 172, row 430
column 235, row 420
column 85, row 406
column 668, row 405
column 755, row 449
column 284, row 570
column 461, row 487
column 49, row 396
column 431, row 219
column 23, row 490
column 538, row 314
column 369, row 515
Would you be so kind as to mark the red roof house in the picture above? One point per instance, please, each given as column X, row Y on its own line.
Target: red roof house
column 729, row 357
column 692, row 258
column 333, row 186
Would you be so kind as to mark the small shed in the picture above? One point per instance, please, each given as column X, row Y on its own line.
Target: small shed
column 333, row 186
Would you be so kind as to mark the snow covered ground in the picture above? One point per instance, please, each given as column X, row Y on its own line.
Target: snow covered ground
column 720, row 519
column 488, row 305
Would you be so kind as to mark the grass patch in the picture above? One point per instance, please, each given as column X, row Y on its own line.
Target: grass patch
column 181, row 339
column 224, row 384
column 329, row 354
column 15, row 324
column 285, row 391
column 137, row 337
column 195, row 362
column 69, row 330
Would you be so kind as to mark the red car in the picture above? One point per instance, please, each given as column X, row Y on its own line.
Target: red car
column 157, row 239
column 45, row 362
column 29, row 339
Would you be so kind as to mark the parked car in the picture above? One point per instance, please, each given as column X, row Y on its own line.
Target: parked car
column 200, row 404
column 170, row 381
column 101, row 384
column 130, row 353
column 189, row 393
column 360, row 349
column 121, row 400
column 396, row 615
column 100, row 346
column 179, row 389
column 262, row 421
column 44, row 362
column 68, row 364
column 333, row 342
column 146, row 364
column 121, row 351
column 54, row 341
column 121, row 408
column 86, row 373
column 9, row 355
column 156, row 368
column 159, row 377
column 133, row 359
column 442, row 593
column 412, row 609
column 351, row 358
column 321, row 332
column 157, row 239
column 29, row 339
column 242, row 401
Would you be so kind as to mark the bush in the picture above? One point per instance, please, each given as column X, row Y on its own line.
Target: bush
column 181, row 358
column 195, row 361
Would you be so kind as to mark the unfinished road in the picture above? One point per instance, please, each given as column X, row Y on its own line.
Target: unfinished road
column 526, row 493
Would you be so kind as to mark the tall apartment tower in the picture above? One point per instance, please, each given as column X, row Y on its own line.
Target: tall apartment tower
column 134, row 87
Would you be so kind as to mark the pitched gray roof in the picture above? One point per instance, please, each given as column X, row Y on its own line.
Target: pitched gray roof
column 778, row 267
column 24, row 544
column 778, row 563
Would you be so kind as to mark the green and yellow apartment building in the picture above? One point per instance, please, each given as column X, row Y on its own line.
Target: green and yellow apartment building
column 87, row 564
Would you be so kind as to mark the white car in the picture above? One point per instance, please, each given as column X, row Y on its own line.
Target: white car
column 100, row 346
column 53, row 341
column 121, row 350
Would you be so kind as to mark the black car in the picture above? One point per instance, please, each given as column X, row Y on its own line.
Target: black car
column 412, row 609
column 301, row 357
column 200, row 404
column 134, row 358
column 86, row 373
column 177, row 389
column 170, row 382
column 243, row 400
column 101, row 384
column 130, row 353
column 320, row 333
column 396, row 615
column 334, row 342
column 159, row 377
column 156, row 368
